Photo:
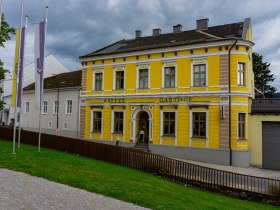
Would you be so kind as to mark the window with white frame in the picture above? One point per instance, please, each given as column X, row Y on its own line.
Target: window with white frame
column 169, row 77
column 119, row 77
column 143, row 79
column 96, row 121
column 118, row 122
column 69, row 105
column 50, row 124
column 199, row 125
column 241, row 73
column 27, row 107
column 45, row 107
column 55, row 107
column 98, row 81
column 241, row 126
column 199, row 75
column 169, row 123
column 65, row 125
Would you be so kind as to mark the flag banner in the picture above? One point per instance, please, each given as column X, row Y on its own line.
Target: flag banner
column 20, row 69
column 39, row 30
column 15, row 69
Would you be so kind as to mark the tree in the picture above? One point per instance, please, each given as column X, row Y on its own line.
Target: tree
column 263, row 76
column 5, row 34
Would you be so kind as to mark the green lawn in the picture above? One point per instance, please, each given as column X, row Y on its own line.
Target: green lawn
column 114, row 181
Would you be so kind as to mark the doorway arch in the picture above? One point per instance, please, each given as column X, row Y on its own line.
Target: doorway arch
column 145, row 115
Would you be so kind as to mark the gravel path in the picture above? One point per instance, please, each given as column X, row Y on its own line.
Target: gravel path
column 22, row 191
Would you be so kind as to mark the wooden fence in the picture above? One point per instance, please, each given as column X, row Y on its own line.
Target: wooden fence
column 178, row 171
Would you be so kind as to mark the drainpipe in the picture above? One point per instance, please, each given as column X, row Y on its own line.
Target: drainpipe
column 57, row 114
column 229, row 98
column 78, row 117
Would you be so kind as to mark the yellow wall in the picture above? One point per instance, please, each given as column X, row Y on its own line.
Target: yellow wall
column 183, row 76
column 255, row 136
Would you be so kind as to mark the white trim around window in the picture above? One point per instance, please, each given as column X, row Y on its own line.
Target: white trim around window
column 54, row 107
column 245, row 126
column 244, row 82
column 162, row 125
column 65, row 125
column 191, row 127
column 98, row 71
column 45, row 107
column 49, row 124
column 142, row 67
column 167, row 64
column 116, row 69
column 199, row 61
column 113, row 122
column 92, row 118
column 68, row 107
column 27, row 107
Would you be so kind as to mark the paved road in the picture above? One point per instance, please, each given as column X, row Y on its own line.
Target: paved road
column 22, row 191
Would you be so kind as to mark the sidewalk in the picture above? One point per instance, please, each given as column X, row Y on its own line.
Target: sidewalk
column 251, row 171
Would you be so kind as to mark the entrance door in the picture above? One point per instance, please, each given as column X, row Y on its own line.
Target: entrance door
column 144, row 126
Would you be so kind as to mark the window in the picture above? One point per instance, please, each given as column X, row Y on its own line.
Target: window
column 119, row 80
column 241, row 73
column 118, row 122
column 69, row 104
column 199, row 125
column 169, row 77
column 98, row 81
column 169, row 123
column 241, row 125
column 65, row 125
column 143, row 78
column 97, row 121
column 199, row 76
column 55, row 107
column 45, row 107
column 27, row 107
column 50, row 124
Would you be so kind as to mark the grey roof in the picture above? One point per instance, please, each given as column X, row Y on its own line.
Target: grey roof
column 265, row 106
column 215, row 33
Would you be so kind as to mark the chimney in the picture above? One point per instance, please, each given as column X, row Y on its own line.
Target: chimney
column 156, row 32
column 177, row 28
column 202, row 24
column 138, row 34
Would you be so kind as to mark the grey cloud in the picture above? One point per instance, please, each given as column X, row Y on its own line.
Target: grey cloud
column 79, row 27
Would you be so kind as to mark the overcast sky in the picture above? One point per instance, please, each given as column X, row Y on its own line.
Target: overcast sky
column 77, row 27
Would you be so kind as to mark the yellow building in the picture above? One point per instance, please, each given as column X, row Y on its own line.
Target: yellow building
column 172, row 92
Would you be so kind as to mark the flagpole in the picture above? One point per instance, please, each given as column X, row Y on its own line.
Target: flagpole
column 42, row 96
column 1, row 8
column 18, row 64
column 20, row 113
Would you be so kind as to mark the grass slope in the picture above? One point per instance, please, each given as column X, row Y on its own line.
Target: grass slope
column 114, row 181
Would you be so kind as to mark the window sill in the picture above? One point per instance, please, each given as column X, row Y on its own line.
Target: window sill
column 241, row 85
column 242, row 139
column 168, row 136
column 199, row 138
column 68, row 113
column 169, row 88
column 96, row 132
column 117, row 133
column 99, row 91
column 199, row 86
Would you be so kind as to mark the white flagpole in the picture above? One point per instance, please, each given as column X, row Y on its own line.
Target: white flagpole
column 41, row 101
column 20, row 113
column 1, row 10
column 15, row 112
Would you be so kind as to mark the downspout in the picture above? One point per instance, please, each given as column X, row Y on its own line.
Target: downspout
column 78, row 117
column 229, row 102
column 57, row 114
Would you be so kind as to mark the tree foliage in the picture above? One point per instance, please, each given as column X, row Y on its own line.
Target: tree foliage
column 5, row 35
column 263, row 76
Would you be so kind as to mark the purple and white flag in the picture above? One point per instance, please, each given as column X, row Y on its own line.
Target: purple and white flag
column 39, row 30
column 20, row 69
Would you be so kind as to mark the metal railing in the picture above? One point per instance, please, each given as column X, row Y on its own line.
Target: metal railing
column 174, row 170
